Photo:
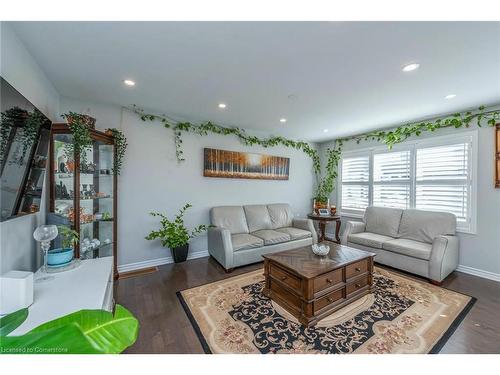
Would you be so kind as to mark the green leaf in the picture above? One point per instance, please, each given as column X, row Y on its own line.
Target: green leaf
column 11, row 321
column 106, row 333
column 67, row 339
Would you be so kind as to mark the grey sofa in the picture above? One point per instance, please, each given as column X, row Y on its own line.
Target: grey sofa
column 420, row 242
column 241, row 234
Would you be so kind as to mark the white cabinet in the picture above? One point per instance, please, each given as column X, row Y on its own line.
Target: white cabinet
column 89, row 286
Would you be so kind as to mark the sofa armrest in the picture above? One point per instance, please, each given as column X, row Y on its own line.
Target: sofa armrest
column 444, row 257
column 306, row 224
column 352, row 227
column 220, row 246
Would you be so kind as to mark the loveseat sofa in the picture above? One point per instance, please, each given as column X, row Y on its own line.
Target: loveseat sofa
column 241, row 234
column 420, row 242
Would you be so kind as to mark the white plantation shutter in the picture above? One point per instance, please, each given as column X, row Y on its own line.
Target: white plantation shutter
column 356, row 169
column 391, row 179
column 355, row 183
column 443, row 179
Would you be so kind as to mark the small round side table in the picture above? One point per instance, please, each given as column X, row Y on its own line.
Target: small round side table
column 322, row 221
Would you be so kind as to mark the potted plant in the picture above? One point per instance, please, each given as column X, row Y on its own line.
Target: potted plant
column 174, row 235
column 64, row 254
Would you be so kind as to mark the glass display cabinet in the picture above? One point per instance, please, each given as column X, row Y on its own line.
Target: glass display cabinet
column 83, row 192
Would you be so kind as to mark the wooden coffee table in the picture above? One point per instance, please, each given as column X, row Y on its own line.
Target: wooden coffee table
column 311, row 287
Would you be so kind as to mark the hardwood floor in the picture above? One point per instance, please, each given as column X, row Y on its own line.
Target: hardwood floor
column 165, row 328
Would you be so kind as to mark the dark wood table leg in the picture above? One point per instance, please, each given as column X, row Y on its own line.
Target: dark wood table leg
column 322, row 228
column 337, row 230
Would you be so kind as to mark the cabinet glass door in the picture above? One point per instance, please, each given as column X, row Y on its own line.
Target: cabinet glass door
column 96, row 201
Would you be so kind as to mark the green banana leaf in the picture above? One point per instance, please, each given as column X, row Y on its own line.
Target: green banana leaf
column 10, row 322
column 98, row 332
column 60, row 340
column 107, row 333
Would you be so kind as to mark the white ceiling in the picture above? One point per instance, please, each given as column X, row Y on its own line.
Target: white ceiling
column 341, row 76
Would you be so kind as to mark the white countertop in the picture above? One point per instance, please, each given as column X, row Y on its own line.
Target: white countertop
column 81, row 288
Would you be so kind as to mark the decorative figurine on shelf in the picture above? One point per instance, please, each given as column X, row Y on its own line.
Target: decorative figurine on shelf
column 62, row 191
column 333, row 210
column 70, row 166
column 44, row 234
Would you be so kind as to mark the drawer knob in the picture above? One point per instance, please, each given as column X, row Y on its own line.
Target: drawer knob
column 283, row 278
column 358, row 269
column 329, row 281
column 357, row 285
column 329, row 300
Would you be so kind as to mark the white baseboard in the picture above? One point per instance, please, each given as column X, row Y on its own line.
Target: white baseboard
column 200, row 254
column 477, row 272
column 157, row 262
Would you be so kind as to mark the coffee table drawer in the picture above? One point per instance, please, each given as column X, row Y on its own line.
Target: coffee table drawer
column 327, row 300
column 357, row 285
column 327, row 280
column 285, row 277
column 356, row 269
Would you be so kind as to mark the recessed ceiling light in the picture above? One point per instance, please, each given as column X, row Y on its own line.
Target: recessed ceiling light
column 282, row 119
column 129, row 82
column 450, row 96
column 410, row 67
column 325, row 130
column 222, row 105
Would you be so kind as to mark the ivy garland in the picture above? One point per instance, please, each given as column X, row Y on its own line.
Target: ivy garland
column 326, row 184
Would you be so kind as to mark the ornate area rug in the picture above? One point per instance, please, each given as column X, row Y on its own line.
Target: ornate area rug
column 403, row 315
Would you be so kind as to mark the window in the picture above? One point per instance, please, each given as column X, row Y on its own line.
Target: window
column 435, row 175
column 391, row 179
column 355, row 182
column 443, row 179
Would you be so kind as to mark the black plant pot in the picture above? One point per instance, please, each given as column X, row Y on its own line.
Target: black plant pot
column 180, row 253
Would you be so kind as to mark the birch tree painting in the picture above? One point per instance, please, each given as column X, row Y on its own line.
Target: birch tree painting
column 233, row 164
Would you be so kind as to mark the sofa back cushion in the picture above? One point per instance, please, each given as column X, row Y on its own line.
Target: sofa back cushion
column 383, row 220
column 423, row 226
column 229, row 217
column 257, row 217
column 281, row 215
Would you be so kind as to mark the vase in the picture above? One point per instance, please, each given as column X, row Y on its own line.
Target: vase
column 180, row 253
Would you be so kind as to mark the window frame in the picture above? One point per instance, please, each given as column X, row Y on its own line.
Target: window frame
column 470, row 137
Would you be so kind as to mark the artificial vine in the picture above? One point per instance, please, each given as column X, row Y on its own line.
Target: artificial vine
column 29, row 122
column 325, row 184
column 120, row 147
column 82, row 141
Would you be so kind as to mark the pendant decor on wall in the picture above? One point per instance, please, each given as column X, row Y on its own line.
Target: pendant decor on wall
column 234, row 164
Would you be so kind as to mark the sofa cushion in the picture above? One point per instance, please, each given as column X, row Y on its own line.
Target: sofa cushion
column 383, row 220
column 423, row 226
column 369, row 239
column 229, row 217
column 415, row 249
column 271, row 237
column 281, row 215
column 295, row 233
column 244, row 241
column 257, row 217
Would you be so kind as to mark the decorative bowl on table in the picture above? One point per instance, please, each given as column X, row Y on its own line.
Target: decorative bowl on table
column 59, row 257
column 320, row 250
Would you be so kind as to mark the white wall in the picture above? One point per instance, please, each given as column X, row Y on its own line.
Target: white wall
column 480, row 251
column 152, row 179
column 18, row 249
